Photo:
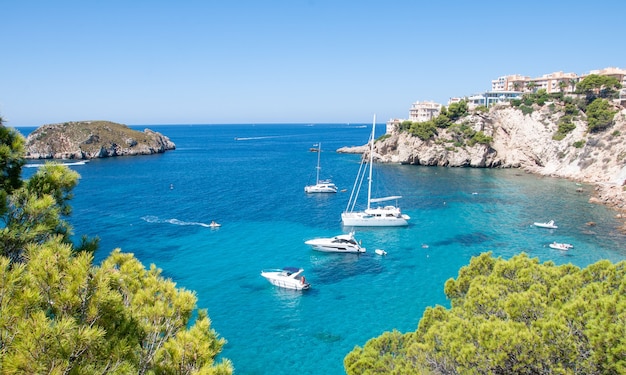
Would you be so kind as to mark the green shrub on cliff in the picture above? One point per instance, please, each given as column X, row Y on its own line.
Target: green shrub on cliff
column 599, row 115
column 565, row 126
column 482, row 138
column 423, row 130
column 598, row 86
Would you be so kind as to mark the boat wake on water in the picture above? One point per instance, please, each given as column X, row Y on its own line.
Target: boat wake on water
column 266, row 137
column 37, row 165
column 154, row 219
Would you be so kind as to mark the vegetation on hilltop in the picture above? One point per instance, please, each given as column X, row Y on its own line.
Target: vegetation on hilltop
column 590, row 103
column 512, row 316
column 460, row 133
column 593, row 92
column 88, row 139
column 61, row 314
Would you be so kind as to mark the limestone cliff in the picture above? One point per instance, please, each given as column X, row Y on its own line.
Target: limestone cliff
column 93, row 139
column 526, row 142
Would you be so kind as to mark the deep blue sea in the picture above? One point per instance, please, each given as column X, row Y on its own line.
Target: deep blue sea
column 250, row 178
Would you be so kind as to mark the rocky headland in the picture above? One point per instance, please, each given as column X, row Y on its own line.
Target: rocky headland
column 93, row 139
column 525, row 141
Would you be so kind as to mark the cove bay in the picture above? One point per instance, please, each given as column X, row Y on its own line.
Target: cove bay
column 250, row 179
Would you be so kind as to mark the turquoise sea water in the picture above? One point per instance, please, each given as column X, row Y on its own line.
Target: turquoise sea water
column 250, row 178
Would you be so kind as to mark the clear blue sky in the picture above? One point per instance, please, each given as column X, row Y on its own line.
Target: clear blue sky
column 269, row 61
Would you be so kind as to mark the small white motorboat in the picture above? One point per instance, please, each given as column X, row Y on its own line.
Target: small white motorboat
column 215, row 225
column 288, row 277
column 550, row 225
column 561, row 246
column 343, row 243
column 380, row 252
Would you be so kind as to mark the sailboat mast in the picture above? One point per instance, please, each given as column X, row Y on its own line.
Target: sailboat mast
column 319, row 151
column 369, row 179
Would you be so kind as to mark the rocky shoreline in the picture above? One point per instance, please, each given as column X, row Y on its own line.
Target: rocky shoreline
column 93, row 139
column 526, row 142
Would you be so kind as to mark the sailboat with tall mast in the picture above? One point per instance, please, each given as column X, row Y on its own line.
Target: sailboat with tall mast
column 321, row 186
column 380, row 216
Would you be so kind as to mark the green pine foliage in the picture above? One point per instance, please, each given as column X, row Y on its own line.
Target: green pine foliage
column 598, row 86
column 61, row 314
column 423, row 130
column 600, row 115
column 512, row 316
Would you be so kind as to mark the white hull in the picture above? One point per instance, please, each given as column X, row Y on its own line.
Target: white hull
column 383, row 216
column 561, row 246
column 286, row 278
column 550, row 225
column 287, row 284
column 329, row 249
column 344, row 243
column 543, row 225
column 321, row 188
column 361, row 219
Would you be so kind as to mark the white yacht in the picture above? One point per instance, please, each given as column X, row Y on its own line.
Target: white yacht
column 380, row 216
column 561, row 246
column 288, row 277
column 343, row 243
column 321, row 186
column 550, row 225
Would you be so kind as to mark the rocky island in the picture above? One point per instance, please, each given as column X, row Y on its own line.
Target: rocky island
column 93, row 139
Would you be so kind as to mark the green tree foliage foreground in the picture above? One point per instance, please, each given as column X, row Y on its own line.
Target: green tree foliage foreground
column 512, row 316
column 61, row 314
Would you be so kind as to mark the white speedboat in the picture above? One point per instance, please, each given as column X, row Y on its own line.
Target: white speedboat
column 343, row 243
column 382, row 216
column 550, row 225
column 561, row 246
column 288, row 277
column 321, row 186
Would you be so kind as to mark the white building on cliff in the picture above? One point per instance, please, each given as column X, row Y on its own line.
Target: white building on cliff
column 419, row 112
column 506, row 88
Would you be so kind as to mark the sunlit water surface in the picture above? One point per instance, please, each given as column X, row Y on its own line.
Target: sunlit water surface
column 250, row 178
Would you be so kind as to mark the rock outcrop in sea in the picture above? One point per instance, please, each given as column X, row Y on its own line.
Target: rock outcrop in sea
column 523, row 141
column 93, row 139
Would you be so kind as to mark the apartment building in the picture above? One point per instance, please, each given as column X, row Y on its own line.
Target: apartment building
column 424, row 111
column 514, row 82
column 506, row 88
column 419, row 112
column 489, row 98
column 553, row 82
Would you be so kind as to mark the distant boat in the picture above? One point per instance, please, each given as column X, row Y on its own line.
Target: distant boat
column 382, row 216
column 321, row 186
column 380, row 252
column 288, row 277
column 215, row 224
column 561, row 246
column 550, row 225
